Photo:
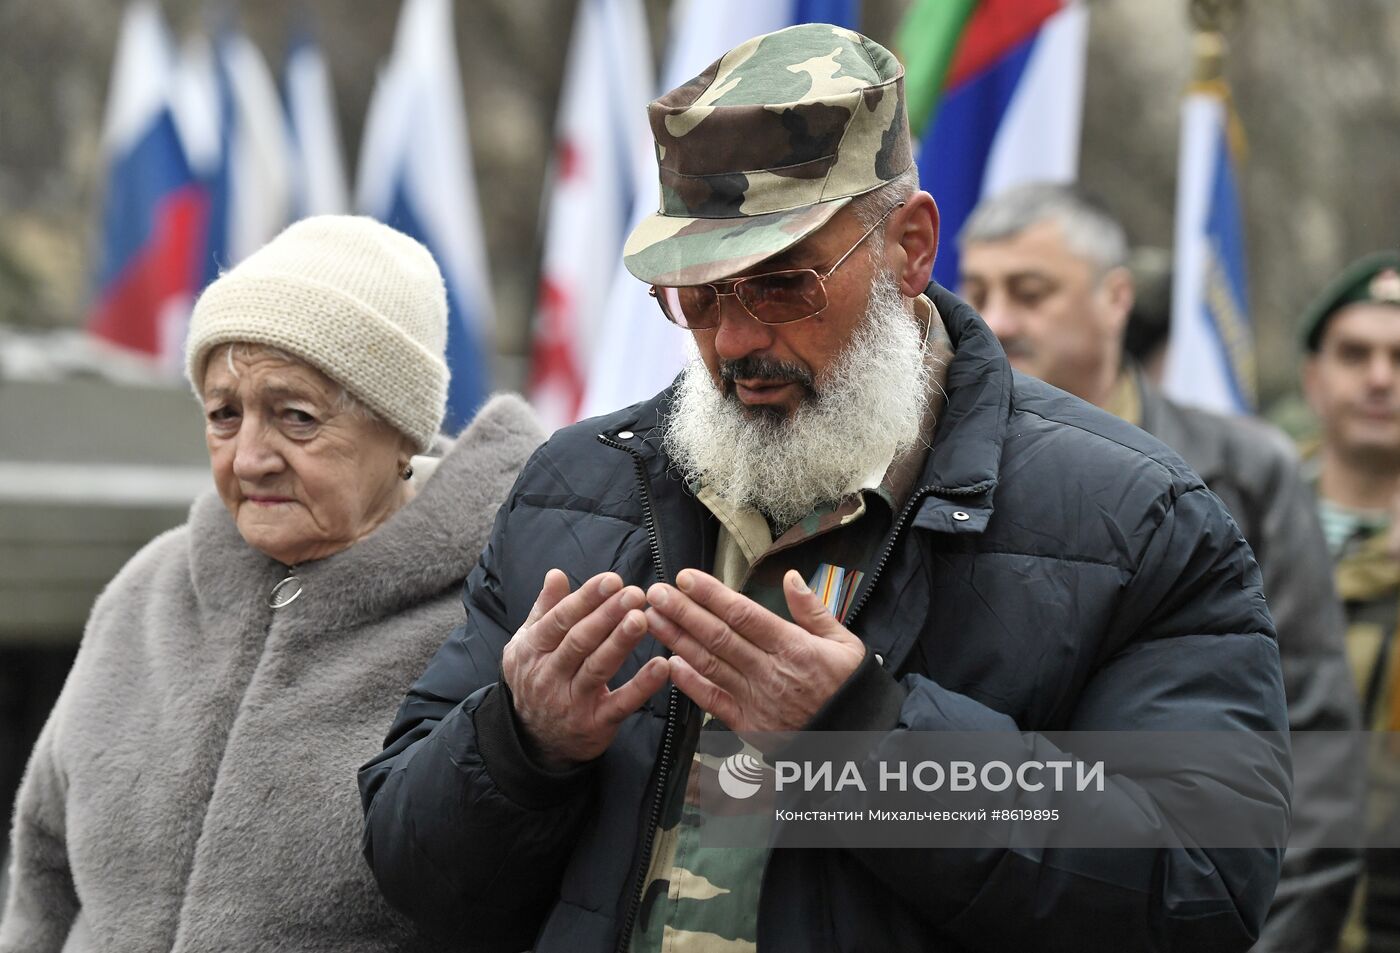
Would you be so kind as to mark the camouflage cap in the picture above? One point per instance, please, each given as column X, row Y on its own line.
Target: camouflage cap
column 764, row 146
column 1371, row 278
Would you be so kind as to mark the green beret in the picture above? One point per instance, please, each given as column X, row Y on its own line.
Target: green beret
column 1376, row 277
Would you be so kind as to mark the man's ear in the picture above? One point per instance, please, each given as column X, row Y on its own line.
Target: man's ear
column 914, row 243
column 1119, row 294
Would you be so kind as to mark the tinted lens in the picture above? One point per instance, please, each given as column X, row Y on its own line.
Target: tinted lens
column 693, row 307
column 782, row 296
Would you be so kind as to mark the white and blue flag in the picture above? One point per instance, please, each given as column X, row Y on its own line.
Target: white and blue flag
column 1210, row 360
column 416, row 175
column 248, row 169
column 317, row 164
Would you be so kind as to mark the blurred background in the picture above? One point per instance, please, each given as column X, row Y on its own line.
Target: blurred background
column 144, row 147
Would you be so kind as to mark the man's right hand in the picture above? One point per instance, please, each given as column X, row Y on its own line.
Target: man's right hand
column 558, row 665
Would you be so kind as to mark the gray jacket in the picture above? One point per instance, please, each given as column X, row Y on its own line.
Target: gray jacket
column 1254, row 470
column 194, row 788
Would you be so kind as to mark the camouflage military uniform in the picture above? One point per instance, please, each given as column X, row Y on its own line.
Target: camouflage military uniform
column 755, row 154
column 702, row 898
column 1368, row 581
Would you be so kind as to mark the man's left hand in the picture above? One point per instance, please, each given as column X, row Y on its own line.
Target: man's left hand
column 751, row 669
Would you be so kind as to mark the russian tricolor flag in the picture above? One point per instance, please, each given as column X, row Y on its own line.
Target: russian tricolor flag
column 154, row 215
column 995, row 91
column 1210, row 361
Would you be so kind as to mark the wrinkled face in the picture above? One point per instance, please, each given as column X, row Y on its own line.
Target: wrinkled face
column 772, row 369
column 302, row 478
column 1353, row 381
column 1056, row 317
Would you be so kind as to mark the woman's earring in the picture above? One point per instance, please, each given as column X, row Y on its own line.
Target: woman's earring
column 407, row 472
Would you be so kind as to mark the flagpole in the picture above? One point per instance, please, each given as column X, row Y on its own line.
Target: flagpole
column 1211, row 361
column 1210, row 18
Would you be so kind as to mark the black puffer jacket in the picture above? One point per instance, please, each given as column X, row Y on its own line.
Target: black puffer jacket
column 1089, row 582
column 1254, row 470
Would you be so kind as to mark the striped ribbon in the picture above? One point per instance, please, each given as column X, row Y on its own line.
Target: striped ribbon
column 836, row 587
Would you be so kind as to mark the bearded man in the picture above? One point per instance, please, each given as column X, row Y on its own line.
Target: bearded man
column 846, row 514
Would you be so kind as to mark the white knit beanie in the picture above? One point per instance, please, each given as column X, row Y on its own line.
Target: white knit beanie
column 362, row 303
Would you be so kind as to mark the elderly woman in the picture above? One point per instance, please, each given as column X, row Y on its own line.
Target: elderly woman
column 194, row 788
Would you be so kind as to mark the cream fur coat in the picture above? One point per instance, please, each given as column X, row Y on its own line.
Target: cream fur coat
column 194, row 789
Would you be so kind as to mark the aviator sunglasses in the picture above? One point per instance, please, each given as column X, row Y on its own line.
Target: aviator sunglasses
column 777, row 297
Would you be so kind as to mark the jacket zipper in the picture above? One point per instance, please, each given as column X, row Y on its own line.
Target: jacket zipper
column 663, row 770
column 668, row 734
column 648, row 516
column 914, row 501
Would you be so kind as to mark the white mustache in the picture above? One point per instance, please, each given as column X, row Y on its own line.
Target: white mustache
column 866, row 408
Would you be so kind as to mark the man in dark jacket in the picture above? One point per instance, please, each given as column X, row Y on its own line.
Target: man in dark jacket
column 1045, row 266
column 990, row 554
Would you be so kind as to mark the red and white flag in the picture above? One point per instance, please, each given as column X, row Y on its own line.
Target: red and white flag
column 602, row 149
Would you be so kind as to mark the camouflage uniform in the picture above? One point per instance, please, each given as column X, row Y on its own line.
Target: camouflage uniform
column 1368, row 578
column 701, row 898
column 764, row 147
column 755, row 154
column 1368, row 581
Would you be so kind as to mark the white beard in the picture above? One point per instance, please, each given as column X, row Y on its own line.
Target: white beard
column 863, row 413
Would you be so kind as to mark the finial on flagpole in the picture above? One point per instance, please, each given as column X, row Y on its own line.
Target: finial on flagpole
column 1211, row 19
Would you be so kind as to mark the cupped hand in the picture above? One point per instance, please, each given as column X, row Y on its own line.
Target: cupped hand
column 560, row 660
